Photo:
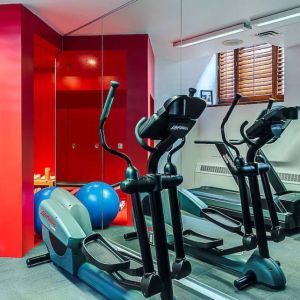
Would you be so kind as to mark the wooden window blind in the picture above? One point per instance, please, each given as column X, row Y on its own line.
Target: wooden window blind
column 280, row 72
column 256, row 72
column 226, row 76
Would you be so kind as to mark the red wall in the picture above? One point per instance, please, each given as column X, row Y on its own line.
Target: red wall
column 151, row 83
column 10, row 132
column 17, row 30
column 133, row 67
column 80, row 92
column 136, row 98
column 44, row 105
column 137, row 92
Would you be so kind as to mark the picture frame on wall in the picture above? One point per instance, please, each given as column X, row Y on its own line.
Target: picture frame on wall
column 207, row 95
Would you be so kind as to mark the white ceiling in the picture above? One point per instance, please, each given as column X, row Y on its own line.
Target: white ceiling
column 161, row 20
column 66, row 15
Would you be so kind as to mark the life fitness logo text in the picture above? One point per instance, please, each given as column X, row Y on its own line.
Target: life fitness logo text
column 179, row 127
column 50, row 220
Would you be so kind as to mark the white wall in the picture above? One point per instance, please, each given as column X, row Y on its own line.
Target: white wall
column 169, row 82
column 175, row 78
column 284, row 154
column 209, row 78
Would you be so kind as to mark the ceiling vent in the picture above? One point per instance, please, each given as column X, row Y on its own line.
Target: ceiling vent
column 232, row 42
column 267, row 33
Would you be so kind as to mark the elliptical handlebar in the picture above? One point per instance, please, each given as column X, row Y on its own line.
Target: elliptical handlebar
column 109, row 101
column 228, row 114
column 105, row 112
column 175, row 149
column 244, row 135
column 270, row 103
column 139, row 138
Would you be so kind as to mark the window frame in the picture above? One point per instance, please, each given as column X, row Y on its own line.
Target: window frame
column 253, row 99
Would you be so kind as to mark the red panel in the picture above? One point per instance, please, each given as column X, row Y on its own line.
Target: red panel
column 78, row 160
column 136, row 47
column 10, row 132
column 151, row 73
column 133, row 102
column 17, row 29
column 114, row 167
column 79, row 102
column 44, row 105
column 31, row 26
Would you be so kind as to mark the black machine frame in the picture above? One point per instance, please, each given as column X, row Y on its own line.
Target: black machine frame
column 287, row 203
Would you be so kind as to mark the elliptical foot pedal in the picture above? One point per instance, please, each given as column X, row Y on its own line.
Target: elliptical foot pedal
column 181, row 268
column 101, row 254
column 198, row 240
column 136, row 265
column 221, row 220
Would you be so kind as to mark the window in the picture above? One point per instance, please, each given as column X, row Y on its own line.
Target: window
column 256, row 72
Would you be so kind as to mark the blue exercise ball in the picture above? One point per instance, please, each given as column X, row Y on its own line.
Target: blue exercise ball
column 101, row 201
column 41, row 195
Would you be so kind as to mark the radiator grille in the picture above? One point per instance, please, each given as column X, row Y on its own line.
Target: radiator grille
column 220, row 170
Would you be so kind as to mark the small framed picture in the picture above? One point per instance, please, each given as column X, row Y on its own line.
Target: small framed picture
column 207, row 95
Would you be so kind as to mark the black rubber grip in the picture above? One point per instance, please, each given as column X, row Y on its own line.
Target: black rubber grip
column 130, row 236
column 143, row 184
column 169, row 181
column 38, row 260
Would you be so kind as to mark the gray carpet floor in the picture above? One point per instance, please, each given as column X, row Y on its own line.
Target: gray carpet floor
column 17, row 282
column 287, row 252
column 48, row 282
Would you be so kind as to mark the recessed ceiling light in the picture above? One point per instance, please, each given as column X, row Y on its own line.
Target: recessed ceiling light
column 232, row 42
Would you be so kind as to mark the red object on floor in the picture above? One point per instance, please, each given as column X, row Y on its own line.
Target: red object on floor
column 122, row 217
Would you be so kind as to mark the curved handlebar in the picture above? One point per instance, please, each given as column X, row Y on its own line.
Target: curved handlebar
column 237, row 142
column 109, row 101
column 139, row 138
column 244, row 135
column 172, row 151
column 104, row 115
column 270, row 103
column 229, row 112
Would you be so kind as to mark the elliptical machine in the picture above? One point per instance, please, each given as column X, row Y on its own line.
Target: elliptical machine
column 172, row 121
column 228, row 201
column 169, row 124
column 260, row 267
column 73, row 246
